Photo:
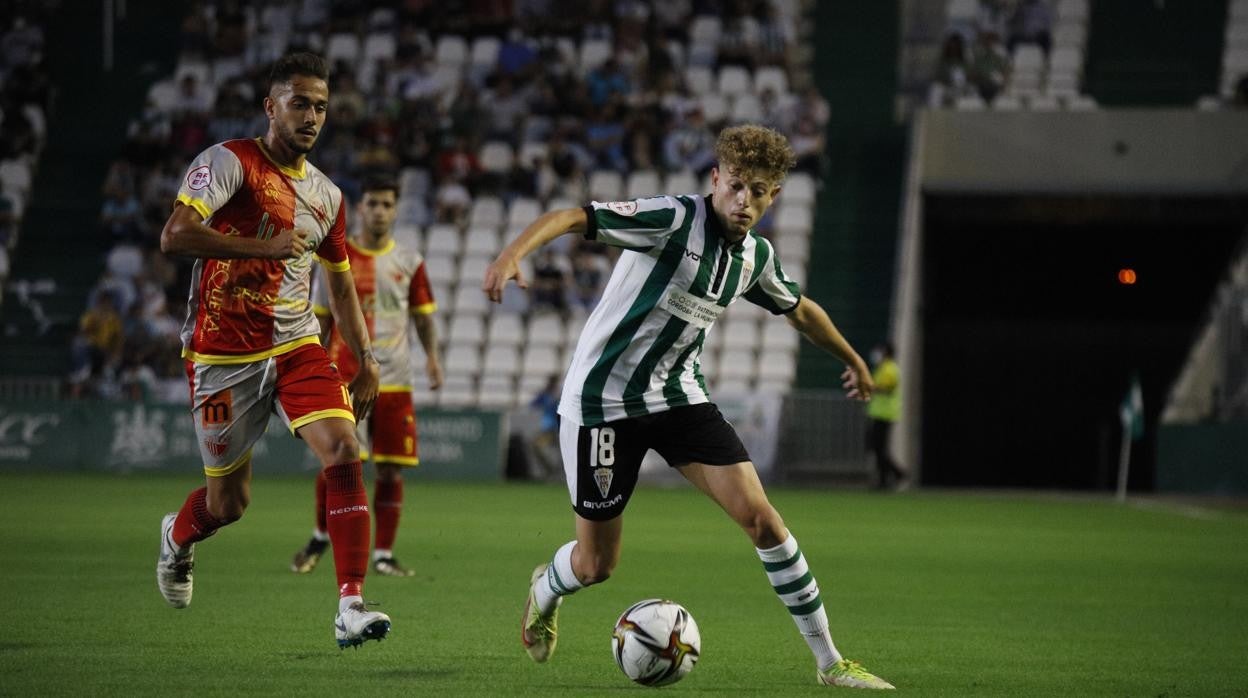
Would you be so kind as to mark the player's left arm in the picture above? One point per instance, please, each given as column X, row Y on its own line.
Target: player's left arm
column 427, row 332
column 345, row 306
column 809, row 318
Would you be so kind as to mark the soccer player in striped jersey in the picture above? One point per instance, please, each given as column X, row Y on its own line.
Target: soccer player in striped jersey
column 253, row 214
column 394, row 292
column 635, row 384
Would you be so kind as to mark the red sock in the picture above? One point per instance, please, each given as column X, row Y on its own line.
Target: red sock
column 194, row 523
column 387, row 504
column 346, row 504
column 320, row 502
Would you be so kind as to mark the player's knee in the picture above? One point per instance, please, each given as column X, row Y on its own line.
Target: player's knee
column 764, row 527
column 595, row 569
column 344, row 449
column 230, row 507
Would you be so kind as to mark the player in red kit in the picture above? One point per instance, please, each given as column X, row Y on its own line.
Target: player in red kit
column 254, row 214
column 394, row 292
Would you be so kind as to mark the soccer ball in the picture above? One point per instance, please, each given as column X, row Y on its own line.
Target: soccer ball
column 656, row 642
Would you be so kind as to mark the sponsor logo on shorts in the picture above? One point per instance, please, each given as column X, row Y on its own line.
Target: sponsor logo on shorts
column 218, row 409
column 217, row 447
column 199, row 178
column 603, row 477
column 586, row 504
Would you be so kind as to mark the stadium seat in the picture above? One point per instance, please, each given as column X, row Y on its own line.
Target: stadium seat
column 773, row 386
column 742, row 334
column 1237, row 36
column 482, row 242
column 794, row 218
column 487, row 212
column 1072, row 9
column 708, row 362
column 572, row 330
column 970, row 103
column 799, row 188
column 733, row 80
column 412, row 210
column 737, row 363
column 770, row 76
column 485, row 52
column 379, row 46
column 409, row 236
column 593, row 53
column 1081, row 103
column 781, row 339
column 541, row 360
column 501, row 361
column 523, row 211
column 780, row 366
column 442, row 238
column 472, row 270
column 496, row 392
column 1070, row 35
column 198, row 69
column 413, row 181
column 466, row 330
column 226, row 68
column 606, row 185
column 699, row 79
column 642, row 184
column 531, row 152
column 497, row 157
column 342, row 47
column 714, row 107
column 705, row 29
column 734, row 385
column 506, row 329
column 793, row 248
column 682, row 182
column 1043, row 102
column 457, row 394
column 546, row 331
column 746, row 108
column 1007, row 102
column 470, row 300
column 462, row 359
column 451, row 50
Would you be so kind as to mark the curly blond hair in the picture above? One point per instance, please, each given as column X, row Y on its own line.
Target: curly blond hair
column 756, row 151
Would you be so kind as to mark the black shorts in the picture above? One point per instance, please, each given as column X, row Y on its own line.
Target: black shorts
column 602, row 471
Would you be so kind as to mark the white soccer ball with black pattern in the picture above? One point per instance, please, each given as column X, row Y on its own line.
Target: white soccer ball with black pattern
column 656, row 642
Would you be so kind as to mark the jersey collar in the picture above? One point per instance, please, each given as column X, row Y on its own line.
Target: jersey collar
column 288, row 171
column 385, row 249
column 716, row 228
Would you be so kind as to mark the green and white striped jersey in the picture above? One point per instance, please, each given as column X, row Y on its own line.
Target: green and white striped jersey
column 638, row 353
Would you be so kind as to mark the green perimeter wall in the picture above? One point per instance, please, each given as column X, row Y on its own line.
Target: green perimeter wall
column 1203, row 459
column 122, row 437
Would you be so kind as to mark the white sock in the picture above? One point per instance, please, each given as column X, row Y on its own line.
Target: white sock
column 792, row 581
column 318, row 534
column 345, row 602
column 381, row 554
column 559, row 580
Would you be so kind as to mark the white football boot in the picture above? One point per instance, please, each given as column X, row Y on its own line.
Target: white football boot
column 174, row 568
column 356, row 624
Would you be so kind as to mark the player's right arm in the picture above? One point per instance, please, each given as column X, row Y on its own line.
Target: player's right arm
column 547, row 227
column 186, row 235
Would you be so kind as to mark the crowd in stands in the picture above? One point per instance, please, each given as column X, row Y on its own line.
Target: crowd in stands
column 1010, row 53
column 486, row 113
column 25, row 96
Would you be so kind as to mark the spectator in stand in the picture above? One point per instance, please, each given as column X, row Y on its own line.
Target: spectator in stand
column 507, row 109
column 589, row 270
column 549, row 289
column 605, row 134
column 96, row 349
column 8, row 221
column 690, row 145
column 808, row 145
column 774, row 35
column 452, row 201
column 192, row 98
column 1031, row 23
column 459, row 163
column 516, row 55
column 121, row 216
column 546, row 441
column 953, row 71
column 607, row 81
column 990, row 65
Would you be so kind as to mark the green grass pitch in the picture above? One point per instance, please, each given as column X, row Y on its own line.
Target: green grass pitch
column 943, row 594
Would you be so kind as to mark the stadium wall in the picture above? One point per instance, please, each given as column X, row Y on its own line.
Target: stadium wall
column 118, row 437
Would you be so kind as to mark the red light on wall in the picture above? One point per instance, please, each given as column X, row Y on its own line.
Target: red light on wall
column 1126, row 277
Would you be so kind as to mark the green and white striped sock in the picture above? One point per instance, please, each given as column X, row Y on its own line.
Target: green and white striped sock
column 558, row 581
column 792, row 581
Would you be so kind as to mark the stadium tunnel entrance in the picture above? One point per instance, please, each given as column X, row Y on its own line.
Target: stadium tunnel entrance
column 1036, row 312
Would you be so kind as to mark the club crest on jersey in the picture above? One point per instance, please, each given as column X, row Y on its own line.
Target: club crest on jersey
column 216, row 446
column 603, row 477
column 624, row 208
column 199, row 178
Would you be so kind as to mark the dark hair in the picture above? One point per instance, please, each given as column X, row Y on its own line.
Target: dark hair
column 887, row 347
column 292, row 64
column 380, row 182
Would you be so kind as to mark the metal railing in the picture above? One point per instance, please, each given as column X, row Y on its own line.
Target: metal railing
column 823, row 435
column 23, row 388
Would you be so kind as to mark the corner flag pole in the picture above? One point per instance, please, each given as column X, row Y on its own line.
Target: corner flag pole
column 1131, row 412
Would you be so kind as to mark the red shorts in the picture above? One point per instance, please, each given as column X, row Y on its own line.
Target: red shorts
column 390, row 431
column 231, row 403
